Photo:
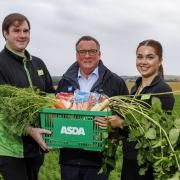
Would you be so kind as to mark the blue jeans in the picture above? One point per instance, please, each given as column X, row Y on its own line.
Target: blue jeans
column 76, row 172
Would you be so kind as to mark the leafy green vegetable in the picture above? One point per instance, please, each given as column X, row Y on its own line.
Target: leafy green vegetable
column 177, row 123
column 151, row 133
column 109, row 152
column 19, row 107
column 156, row 132
column 174, row 135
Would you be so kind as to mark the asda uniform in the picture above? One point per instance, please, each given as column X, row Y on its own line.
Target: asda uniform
column 22, row 72
column 130, row 166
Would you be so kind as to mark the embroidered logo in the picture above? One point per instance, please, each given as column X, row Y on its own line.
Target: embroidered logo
column 145, row 96
column 70, row 88
column 40, row 72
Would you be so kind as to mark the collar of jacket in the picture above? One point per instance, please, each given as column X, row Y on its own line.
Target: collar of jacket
column 72, row 73
column 16, row 56
column 138, row 82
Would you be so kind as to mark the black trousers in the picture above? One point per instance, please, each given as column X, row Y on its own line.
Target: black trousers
column 20, row 168
column 76, row 172
column 130, row 171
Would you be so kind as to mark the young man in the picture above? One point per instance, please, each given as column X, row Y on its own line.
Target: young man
column 88, row 74
column 21, row 157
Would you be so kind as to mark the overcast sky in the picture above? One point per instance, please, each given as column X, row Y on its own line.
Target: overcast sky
column 119, row 25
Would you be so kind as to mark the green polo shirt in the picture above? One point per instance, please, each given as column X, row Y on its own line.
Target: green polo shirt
column 10, row 144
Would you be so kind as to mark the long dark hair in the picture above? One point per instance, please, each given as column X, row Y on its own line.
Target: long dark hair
column 158, row 49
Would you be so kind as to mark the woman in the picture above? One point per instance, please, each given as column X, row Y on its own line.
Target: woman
column 149, row 64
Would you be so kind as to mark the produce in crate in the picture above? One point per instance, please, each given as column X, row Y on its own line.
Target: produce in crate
column 59, row 104
column 79, row 100
column 66, row 99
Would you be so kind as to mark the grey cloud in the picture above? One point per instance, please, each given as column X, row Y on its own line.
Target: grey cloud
column 119, row 26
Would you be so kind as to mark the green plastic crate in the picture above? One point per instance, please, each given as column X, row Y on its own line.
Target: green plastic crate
column 73, row 129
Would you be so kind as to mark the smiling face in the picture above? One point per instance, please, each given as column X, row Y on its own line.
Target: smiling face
column 147, row 61
column 17, row 37
column 88, row 56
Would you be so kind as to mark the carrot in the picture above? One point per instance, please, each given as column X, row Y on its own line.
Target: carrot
column 59, row 104
column 101, row 106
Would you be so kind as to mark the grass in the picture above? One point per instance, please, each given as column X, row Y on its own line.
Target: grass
column 175, row 86
column 50, row 169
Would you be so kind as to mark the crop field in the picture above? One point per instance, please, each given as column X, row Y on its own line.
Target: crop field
column 51, row 170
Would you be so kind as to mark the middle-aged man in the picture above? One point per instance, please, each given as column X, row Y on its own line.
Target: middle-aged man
column 88, row 74
column 21, row 157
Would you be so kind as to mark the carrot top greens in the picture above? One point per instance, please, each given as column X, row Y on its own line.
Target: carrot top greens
column 19, row 107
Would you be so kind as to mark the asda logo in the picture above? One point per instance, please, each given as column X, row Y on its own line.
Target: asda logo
column 72, row 130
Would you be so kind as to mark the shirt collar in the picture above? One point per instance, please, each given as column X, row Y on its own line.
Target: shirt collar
column 19, row 56
column 95, row 72
column 154, row 81
column 139, row 81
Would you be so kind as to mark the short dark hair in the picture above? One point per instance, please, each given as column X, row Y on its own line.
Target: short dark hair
column 88, row 38
column 11, row 18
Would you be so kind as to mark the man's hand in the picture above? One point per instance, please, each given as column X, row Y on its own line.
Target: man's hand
column 36, row 134
column 102, row 122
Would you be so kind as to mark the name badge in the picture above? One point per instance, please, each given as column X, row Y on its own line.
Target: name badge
column 145, row 96
column 40, row 72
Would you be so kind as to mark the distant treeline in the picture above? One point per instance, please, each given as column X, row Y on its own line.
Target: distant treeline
column 168, row 78
column 56, row 80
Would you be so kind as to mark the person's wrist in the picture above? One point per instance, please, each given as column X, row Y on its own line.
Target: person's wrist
column 29, row 130
column 121, row 124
